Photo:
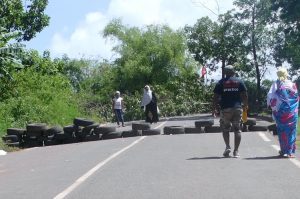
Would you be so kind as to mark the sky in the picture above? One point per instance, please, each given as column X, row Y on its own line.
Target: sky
column 76, row 26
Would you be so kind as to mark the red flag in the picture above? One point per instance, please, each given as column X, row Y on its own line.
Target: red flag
column 203, row 71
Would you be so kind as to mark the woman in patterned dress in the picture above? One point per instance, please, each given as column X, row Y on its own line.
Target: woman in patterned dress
column 284, row 101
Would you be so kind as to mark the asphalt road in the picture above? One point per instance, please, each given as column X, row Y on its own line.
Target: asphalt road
column 153, row 167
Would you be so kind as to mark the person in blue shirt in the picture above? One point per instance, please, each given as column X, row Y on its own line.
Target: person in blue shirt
column 231, row 94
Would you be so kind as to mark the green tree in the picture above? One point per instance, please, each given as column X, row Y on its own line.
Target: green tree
column 253, row 14
column 288, row 37
column 8, row 53
column 212, row 43
column 28, row 19
column 200, row 40
column 151, row 55
column 229, row 48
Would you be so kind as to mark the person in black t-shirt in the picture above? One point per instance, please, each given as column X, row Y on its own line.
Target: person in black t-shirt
column 231, row 94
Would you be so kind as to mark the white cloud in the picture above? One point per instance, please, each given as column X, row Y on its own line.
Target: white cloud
column 86, row 39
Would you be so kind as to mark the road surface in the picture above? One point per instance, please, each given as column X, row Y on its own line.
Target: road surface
column 153, row 167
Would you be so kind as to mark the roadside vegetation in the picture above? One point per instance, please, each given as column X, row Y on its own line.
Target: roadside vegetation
column 38, row 88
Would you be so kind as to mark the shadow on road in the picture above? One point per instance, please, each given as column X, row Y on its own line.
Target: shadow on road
column 265, row 158
column 206, row 158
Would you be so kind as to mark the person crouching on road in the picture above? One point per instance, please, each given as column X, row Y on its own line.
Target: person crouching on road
column 118, row 105
column 231, row 93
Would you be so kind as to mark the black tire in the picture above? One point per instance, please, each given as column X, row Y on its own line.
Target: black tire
column 151, row 132
column 50, row 142
column 244, row 128
column 140, row 126
column 91, row 138
column 168, row 130
column 28, row 143
column 53, row 130
column 275, row 132
column 90, row 129
column 62, row 137
column 13, row 144
column 82, row 122
column 131, row 133
column 204, row 123
column 250, row 122
column 36, row 129
column 212, row 129
column 272, row 127
column 258, row 128
column 104, row 130
column 69, row 129
column 16, row 131
column 10, row 138
column 112, row 135
column 192, row 130
column 81, row 135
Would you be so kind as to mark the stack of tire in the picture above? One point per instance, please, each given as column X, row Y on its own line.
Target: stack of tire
column 141, row 129
column 35, row 134
column 251, row 125
column 14, row 137
column 173, row 130
column 107, row 132
column 81, row 130
column 201, row 126
column 208, row 126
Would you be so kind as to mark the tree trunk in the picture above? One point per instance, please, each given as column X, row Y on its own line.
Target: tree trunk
column 223, row 66
column 253, row 43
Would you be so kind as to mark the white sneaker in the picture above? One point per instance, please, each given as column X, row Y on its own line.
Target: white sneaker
column 236, row 154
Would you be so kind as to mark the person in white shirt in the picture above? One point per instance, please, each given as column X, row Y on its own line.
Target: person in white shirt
column 118, row 106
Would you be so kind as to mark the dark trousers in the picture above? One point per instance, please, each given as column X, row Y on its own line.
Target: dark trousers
column 151, row 112
column 119, row 116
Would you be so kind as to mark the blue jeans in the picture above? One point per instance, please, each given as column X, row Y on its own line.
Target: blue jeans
column 119, row 116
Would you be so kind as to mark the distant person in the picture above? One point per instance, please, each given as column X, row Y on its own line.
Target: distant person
column 283, row 100
column 149, row 103
column 118, row 106
column 231, row 94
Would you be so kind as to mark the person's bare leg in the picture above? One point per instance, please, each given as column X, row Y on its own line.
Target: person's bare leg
column 226, row 138
column 237, row 140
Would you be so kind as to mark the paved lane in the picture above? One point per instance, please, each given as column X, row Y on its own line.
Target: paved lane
column 165, row 166
column 191, row 166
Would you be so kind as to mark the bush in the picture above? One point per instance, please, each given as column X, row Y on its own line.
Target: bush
column 38, row 98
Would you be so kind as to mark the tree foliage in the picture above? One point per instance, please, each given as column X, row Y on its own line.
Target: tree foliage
column 212, row 43
column 288, row 39
column 151, row 55
column 28, row 19
column 9, row 60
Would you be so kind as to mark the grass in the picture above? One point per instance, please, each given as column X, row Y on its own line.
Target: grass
column 7, row 148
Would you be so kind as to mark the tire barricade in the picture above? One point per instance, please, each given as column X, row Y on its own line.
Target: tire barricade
column 82, row 130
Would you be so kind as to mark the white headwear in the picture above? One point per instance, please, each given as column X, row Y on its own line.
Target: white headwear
column 147, row 97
